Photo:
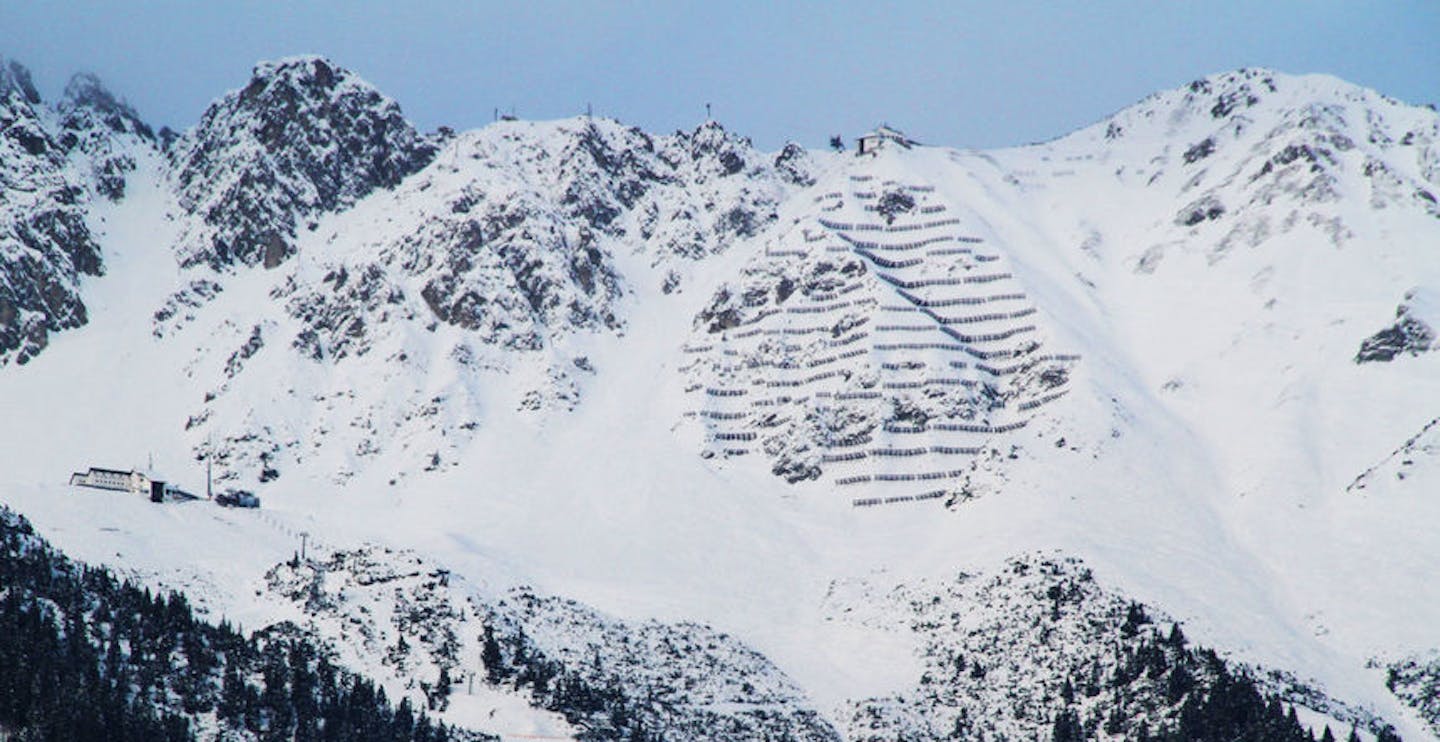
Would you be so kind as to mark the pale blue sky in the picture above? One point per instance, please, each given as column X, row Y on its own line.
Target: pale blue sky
column 956, row 73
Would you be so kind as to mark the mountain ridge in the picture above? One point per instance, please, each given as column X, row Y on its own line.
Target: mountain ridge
column 497, row 348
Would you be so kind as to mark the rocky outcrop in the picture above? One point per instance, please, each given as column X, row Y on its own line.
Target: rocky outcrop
column 1415, row 680
column 517, row 248
column 629, row 680
column 302, row 138
column 422, row 630
column 1413, row 332
column 1040, row 649
column 45, row 244
column 105, row 130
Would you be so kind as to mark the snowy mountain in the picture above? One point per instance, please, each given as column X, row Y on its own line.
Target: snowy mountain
column 300, row 139
column 488, row 259
column 102, row 128
column 600, row 433
column 46, row 245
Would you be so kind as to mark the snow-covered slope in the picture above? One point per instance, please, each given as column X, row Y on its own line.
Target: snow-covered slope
column 755, row 411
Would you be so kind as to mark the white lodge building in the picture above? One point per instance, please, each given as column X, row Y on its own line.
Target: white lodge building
column 120, row 481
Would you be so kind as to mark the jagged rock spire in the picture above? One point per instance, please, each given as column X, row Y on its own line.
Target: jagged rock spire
column 303, row 137
column 15, row 78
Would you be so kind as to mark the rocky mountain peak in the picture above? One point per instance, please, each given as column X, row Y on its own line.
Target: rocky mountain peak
column 303, row 137
column 86, row 89
column 1223, row 94
column 104, row 129
column 795, row 165
column 303, row 69
column 20, row 121
column 605, row 169
column 86, row 96
column 713, row 150
column 45, row 245
column 15, row 79
column 1233, row 145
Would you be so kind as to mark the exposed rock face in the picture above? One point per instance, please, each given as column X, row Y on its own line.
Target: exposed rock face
column 1295, row 162
column 690, row 194
column 1407, row 335
column 45, row 244
column 15, row 81
column 105, row 129
column 519, row 249
column 1415, row 680
column 794, row 165
column 724, row 190
column 1413, row 332
column 492, row 259
column 303, row 137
